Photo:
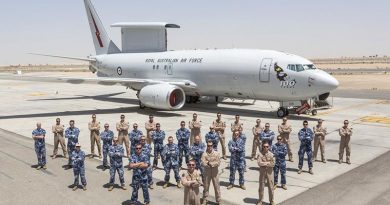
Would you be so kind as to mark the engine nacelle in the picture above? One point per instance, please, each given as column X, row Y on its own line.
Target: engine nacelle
column 162, row 96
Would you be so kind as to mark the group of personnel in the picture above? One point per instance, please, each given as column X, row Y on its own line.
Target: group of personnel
column 201, row 156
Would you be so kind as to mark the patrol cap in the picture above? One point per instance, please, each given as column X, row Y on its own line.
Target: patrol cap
column 116, row 138
column 78, row 145
column 143, row 138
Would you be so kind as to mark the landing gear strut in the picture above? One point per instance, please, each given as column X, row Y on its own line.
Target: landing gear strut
column 282, row 112
column 192, row 99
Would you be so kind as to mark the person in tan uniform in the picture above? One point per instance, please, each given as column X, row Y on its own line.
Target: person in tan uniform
column 191, row 181
column 284, row 131
column 58, row 131
column 266, row 163
column 150, row 126
column 319, row 140
column 345, row 134
column 94, row 127
column 210, row 161
column 194, row 126
column 237, row 125
column 256, row 130
column 123, row 130
column 219, row 127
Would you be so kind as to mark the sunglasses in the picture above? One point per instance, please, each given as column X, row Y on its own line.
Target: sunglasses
column 209, row 145
column 266, row 126
column 304, row 124
column 138, row 148
column 57, row 121
column 191, row 165
column 106, row 126
column 279, row 139
column 265, row 146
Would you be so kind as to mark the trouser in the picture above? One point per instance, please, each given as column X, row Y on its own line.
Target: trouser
column 199, row 167
column 286, row 140
column 41, row 155
column 105, row 154
column 136, row 184
column 192, row 136
column 319, row 141
column 122, row 138
column 113, row 170
column 256, row 145
column 158, row 148
column 184, row 151
column 266, row 174
column 150, row 175
column 70, row 151
column 302, row 149
column 222, row 141
column 345, row 144
column 95, row 138
column 234, row 166
column 211, row 174
column 79, row 172
column 58, row 139
column 191, row 196
column 149, row 138
column 280, row 165
column 167, row 169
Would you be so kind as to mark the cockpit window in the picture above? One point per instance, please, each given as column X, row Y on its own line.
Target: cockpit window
column 291, row 67
column 309, row 67
column 300, row 67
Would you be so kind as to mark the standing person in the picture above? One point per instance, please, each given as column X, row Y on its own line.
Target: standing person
column 284, row 131
column 306, row 137
column 191, row 181
column 150, row 126
column 158, row 137
column 210, row 162
column 237, row 161
column 147, row 150
column 266, row 163
column 267, row 135
column 213, row 137
column 237, row 125
column 107, row 136
column 194, row 126
column 135, row 137
column 116, row 153
column 58, row 131
column 78, row 157
column 123, row 130
column 319, row 140
column 72, row 134
column 196, row 152
column 256, row 130
column 219, row 127
column 139, row 164
column 345, row 133
column 38, row 136
column 171, row 161
column 279, row 150
column 94, row 128
column 183, row 136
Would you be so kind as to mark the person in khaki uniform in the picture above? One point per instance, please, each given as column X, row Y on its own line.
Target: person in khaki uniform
column 284, row 131
column 256, row 130
column 319, row 140
column 94, row 127
column 150, row 126
column 219, row 127
column 58, row 131
column 345, row 134
column 191, row 181
column 210, row 162
column 123, row 130
column 266, row 163
column 237, row 125
column 194, row 126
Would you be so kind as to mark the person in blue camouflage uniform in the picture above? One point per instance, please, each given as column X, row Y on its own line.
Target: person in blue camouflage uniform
column 183, row 136
column 243, row 137
column 147, row 150
column 170, row 157
column 280, row 151
column 267, row 135
column 106, row 136
column 39, row 144
column 305, row 135
column 134, row 137
column 237, row 160
column 116, row 152
column 78, row 157
column 158, row 137
column 139, row 163
column 196, row 151
column 72, row 134
column 213, row 137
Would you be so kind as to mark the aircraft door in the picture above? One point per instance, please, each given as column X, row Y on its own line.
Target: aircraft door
column 170, row 69
column 265, row 70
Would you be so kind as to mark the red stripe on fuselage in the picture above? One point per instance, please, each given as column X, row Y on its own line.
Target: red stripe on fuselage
column 97, row 31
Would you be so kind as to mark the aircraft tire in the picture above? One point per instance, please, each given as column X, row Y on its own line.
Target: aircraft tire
column 281, row 112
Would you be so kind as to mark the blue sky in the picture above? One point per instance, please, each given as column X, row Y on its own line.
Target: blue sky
column 305, row 27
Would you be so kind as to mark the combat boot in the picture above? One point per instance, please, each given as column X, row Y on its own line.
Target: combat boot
column 65, row 156
column 178, row 185
column 38, row 168
column 323, row 161
column 284, row 187
column 165, row 185
column 272, row 203
column 230, row 186
column 85, row 188
column 348, row 161
column 290, row 159
column 340, row 161
column 224, row 157
column 252, row 159
column 44, row 167
column 243, row 187
column 151, row 186
column 100, row 156
column 311, row 171
column 204, row 202
column 299, row 171
column 123, row 187
column 54, row 156
column 110, row 188
column 275, row 186
column 75, row 187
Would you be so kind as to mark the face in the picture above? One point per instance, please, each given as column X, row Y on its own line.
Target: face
column 236, row 135
column 93, row 117
column 151, row 118
column 209, row 147
column 284, row 120
column 197, row 139
column 258, row 122
column 279, row 139
column 305, row 124
column 191, row 166
column 106, row 127
column 265, row 147
column 39, row 125
column 219, row 116
column 212, row 129
column 170, row 140
column 267, row 127
column 58, row 121
column 157, row 127
column 194, row 116
column 138, row 149
column 182, row 125
column 71, row 124
column 78, row 148
column 346, row 123
column 115, row 142
column 142, row 142
column 135, row 127
column 122, row 118
column 237, row 118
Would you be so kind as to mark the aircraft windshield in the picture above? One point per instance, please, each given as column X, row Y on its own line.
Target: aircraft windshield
column 299, row 67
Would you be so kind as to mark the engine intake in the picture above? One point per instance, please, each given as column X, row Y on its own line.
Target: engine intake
column 162, row 96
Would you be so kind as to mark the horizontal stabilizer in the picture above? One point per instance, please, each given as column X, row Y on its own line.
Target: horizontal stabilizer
column 64, row 57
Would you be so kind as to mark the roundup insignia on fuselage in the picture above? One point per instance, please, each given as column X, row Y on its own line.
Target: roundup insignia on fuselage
column 119, row 70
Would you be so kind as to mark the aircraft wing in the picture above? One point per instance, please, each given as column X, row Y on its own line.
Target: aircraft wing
column 134, row 83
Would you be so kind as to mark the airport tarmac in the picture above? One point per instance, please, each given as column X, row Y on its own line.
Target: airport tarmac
column 25, row 103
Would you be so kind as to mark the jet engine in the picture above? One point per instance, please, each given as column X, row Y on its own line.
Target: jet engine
column 162, row 96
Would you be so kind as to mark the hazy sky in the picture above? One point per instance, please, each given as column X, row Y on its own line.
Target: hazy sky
column 305, row 27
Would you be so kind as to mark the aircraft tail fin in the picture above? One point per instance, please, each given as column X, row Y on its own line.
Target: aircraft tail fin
column 101, row 40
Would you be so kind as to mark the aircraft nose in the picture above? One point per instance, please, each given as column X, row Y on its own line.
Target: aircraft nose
column 327, row 82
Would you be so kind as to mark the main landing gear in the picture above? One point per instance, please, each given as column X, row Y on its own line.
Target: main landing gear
column 282, row 112
column 192, row 99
